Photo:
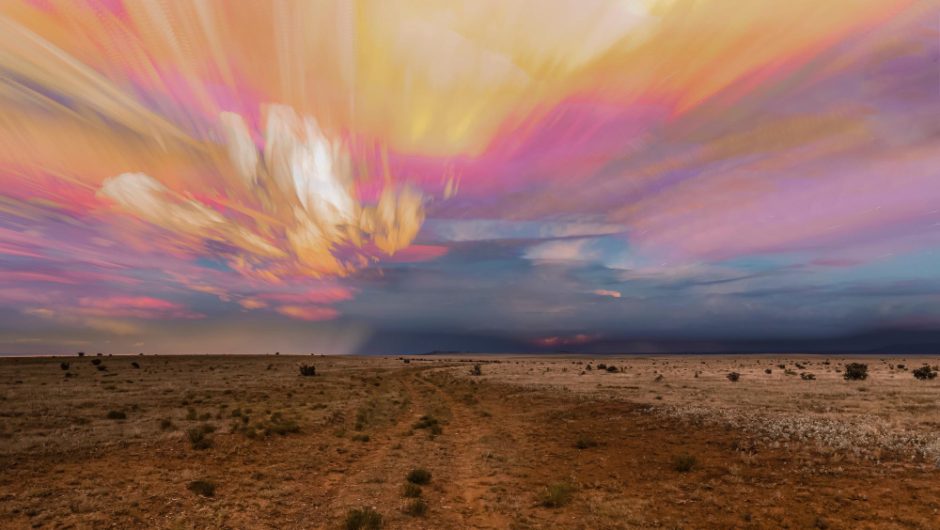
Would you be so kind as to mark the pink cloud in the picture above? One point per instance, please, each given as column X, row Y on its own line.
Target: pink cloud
column 308, row 312
column 22, row 276
column 135, row 307
column 323, row 295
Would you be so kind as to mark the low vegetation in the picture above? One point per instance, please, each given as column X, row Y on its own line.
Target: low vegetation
column 202, row 488
column 585, row 442
column 684, row 463
column 411, row 490
column 855, row 372
column 925, row 372
column 432, row 424
column 199, row 437
column 416, row 508
column 419, row 476
column 363, row 519
column 556, row 495
column 307, row 370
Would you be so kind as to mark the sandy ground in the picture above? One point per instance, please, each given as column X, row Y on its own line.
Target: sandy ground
column 529, row 443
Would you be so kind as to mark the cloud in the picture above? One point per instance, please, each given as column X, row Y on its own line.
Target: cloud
column 497, row 229
column 308, row 312
column 605, row 292
column 144, row 307
column 252, row 303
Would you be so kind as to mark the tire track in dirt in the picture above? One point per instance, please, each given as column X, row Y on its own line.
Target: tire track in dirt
column 470, row 477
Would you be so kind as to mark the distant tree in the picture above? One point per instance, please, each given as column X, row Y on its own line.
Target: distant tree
column 81, row 354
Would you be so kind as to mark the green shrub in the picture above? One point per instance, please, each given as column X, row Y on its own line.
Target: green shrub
column 416, row 508
column 204, row 488
column 363, row 519
column 684, row 463
column 198, row 439
column 856, row 372
column 426, row 422
column 585, row 442
column 411, row 490
column 924, row 372
column 556, row 495
column 419, row 476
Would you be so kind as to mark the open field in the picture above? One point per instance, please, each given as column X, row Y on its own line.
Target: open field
column 670, row 442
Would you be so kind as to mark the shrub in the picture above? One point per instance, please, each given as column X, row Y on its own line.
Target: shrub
column 410, row 490
column 684, row 463
column 585, row 442
column 601, row 366
column 419, row 476
column 198, row 439
column 426, row 422
column 856, row 372
column 782, row 366
column 167, row 425
column 556, row 495
column 612, row 369
column 416, row 508
column 363, row 519
column 281, row 426
column 64, row 366
column 81, row 354
column 135, row 364
column 202, row 487
column 924, row 372
column 307, row 370
column 733, row 377
column 102, row 368
column 116, row 415
column 361, row 438
column 476, row 370
column 806, row 376
column 96, row 362
column 768, row 371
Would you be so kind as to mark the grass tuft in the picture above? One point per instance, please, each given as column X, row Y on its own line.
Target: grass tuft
column 363, row 519
column 419, row 476
column 556, row 495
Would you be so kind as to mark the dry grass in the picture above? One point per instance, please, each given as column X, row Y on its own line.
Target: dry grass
column 529, row 443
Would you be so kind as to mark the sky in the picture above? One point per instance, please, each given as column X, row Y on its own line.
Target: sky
column 403, row 176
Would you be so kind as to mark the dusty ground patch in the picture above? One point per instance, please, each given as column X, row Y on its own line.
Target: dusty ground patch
column 530, row 443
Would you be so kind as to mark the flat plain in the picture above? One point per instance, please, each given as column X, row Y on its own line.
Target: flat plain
column 468, row 442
